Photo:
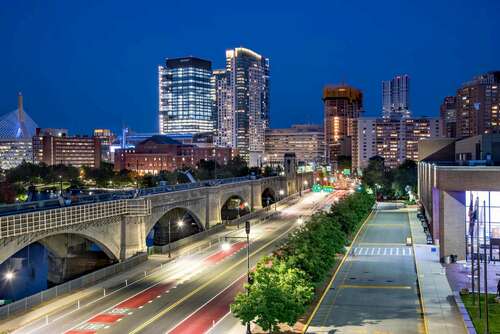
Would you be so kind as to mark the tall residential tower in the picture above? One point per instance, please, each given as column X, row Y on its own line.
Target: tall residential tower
column 396, row 97
column 247, row 75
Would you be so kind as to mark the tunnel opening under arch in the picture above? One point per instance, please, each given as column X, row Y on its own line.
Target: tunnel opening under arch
column 174, row 225
column 268, row 197
column 234, row 207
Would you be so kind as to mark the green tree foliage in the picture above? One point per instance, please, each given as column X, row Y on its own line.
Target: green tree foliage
column 405, row 175
column 278, row 294
column 390, row 182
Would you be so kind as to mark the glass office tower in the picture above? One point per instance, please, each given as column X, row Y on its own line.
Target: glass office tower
column 186, row 103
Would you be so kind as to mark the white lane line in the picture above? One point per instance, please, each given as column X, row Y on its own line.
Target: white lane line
column 199, row 308
column 409, row 250
column 219, row 321
column 373, row 251
column 397, row 251
column 360, row 250
column 378, row 251
column 385, row 251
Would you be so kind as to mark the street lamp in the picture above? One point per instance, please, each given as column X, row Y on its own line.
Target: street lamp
column 9, row 275
column 60, row 183
column 226, row 246
column 180, row 223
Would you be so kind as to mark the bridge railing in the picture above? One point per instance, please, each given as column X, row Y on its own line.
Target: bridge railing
column 39, row 221
column 35, row 206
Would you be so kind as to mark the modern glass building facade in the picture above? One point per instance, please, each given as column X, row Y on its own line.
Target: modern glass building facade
column 186, row 102
column 248, row 80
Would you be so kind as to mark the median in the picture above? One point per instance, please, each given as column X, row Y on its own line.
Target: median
column 285, row 285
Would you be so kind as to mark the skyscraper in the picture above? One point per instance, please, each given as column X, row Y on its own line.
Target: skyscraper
column 396, row 97
column 186, row 104
column 248, row 83
column 226, row 125
column 478, row 105
column 448, row 114
column 342, row 106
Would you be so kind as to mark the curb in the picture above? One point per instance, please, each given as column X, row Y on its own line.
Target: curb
column 469, row 325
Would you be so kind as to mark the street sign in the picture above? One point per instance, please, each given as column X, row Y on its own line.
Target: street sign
column 327, row 189
column 316, row 188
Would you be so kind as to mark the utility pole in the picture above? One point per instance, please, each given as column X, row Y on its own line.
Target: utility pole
column 486, row 311
column 247, row 230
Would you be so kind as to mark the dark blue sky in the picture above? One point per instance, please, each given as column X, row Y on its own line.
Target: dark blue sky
column 86, row 64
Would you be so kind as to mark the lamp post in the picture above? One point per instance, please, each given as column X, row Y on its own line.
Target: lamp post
column 60, row 183
column 226, row 247
column 180, row 223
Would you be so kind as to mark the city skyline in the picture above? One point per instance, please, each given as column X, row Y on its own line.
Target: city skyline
column 115, row 82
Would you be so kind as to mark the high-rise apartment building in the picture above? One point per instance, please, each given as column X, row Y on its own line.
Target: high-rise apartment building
column 226, row 117
column 393, row 139
column 417, row 129
column 307, row 141
column 247, row 74
column 448, row 114
column 396, row 97
column 186, row 104
column 478, row 106
column 342, row 106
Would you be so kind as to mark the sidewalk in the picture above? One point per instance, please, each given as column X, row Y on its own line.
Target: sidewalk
column 441, row 313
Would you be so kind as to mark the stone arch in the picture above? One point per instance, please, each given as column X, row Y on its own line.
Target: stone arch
column 268, row 196
column 233, row 207
column 18, row 243
column 226, row 196
column 155, row 218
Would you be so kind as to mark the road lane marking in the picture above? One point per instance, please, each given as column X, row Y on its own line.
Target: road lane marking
column 201, row 287
column 231, row 285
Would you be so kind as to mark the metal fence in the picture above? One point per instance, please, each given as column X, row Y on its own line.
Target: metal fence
column 29, row 302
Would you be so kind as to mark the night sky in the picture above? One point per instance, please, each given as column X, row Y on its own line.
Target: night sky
column 88, row 64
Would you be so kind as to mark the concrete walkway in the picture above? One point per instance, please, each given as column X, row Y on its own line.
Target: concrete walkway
column 441, row 313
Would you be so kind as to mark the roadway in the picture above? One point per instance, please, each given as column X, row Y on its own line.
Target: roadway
column 190, row 294
column 375, row 289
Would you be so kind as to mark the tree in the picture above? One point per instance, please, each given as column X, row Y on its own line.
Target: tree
column 278, row 294
column 405, row 175
column 237, row 166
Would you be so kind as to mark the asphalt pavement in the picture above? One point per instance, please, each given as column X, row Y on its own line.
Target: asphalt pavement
column 375, row 289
